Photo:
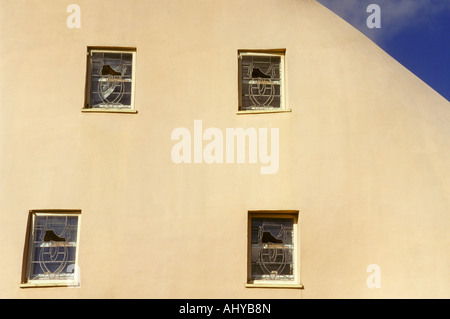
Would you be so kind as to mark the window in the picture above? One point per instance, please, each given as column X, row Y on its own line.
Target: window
column 52, row 248
column 110, row 80
column 261, row 81
column 273, row 249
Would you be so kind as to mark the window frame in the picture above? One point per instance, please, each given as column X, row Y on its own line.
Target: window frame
column 295, row 283
column 28, row 250
column 283, row 91
column 87, row 102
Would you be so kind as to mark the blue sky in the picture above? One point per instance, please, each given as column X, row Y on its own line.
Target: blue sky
column 414, row 32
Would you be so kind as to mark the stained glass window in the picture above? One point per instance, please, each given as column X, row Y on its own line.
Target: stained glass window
column 110, row 79
column 261, row 81
column 273, row 248
column 53, row 247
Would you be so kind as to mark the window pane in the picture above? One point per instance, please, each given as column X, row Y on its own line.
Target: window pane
column 111, row 79
column 272, row 249
column 260, row 82
column 53, row 247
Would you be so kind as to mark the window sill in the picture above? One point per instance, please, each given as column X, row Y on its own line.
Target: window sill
column 263, row 111
column 275, row 285
column 111, row 110
column 49, row 284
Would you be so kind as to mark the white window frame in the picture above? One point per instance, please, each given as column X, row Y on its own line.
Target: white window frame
column 295, row 283
column 283, row 96
column 87, row 104
column 26, row 281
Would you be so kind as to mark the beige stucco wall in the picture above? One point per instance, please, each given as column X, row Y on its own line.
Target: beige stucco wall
column 364, row 154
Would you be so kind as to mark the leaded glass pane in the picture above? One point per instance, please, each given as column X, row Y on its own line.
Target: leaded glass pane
column 53, row 247
column 111, row 78
column 261, row 82
column 272, row 249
